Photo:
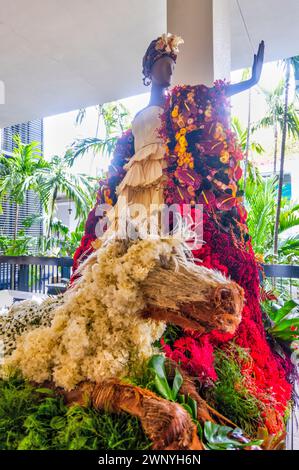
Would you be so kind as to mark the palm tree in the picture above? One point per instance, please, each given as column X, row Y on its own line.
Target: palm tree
column 18, row 173
column 115, row 118
column 242, row 135
column 260, row 200
column 295, row 62
column 275, row 115
column 57, row 178
column 282, row 156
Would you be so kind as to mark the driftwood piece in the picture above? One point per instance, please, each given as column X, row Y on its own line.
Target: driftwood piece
column 193, row 297
column 166, row 423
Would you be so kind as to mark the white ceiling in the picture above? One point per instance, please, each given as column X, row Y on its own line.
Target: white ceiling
column 60, row 55
column 275, row 21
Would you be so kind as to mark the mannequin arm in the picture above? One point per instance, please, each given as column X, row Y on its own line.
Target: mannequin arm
column 234, row 88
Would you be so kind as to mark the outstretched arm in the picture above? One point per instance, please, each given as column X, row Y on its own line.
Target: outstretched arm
column 257, row 66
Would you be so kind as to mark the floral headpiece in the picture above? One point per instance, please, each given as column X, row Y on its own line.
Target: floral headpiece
column 167, row 44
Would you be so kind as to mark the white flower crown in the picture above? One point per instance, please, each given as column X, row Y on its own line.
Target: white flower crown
column 169, row 43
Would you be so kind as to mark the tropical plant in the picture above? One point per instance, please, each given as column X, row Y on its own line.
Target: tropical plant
column 56, row 179
column 274, row 117
column 115, row 119
column 62, row 242
column 214, row 436
column 219, row 437
column 22, row 245
column 19, row 173
column 283, row 319
column 37, row 419
column 260, row 201
column 242, row 135
column 288, row 63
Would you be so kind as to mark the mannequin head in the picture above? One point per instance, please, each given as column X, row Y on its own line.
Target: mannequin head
column 162, row 70
column 159, row 60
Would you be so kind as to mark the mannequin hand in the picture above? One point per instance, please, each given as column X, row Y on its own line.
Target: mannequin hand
column 258, row 63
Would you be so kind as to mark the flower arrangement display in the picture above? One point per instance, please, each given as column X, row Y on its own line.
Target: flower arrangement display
column 108, row 327
column 240, row 384
column 203, row 156
column 97, row 332
column 203, row 167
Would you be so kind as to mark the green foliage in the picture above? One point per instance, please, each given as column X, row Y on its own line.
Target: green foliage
column 18, row 173
column 57, row 178
column 230, row 395
column 115, row 119
column 242, row 134
column 36, row 419
column 62, row 242
column 284, row 319
column 156, row 363
column 261, row 201
column 17, row 401
column 275, row 112
column 27, row 170
column 214, row 436
column 226, row 438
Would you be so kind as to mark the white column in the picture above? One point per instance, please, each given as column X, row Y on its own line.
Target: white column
column 205, row 27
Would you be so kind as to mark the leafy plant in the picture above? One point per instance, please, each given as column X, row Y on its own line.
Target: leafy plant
column 156, row 363
column 225, row 438
column 214, row 436
column 19, row 173
column 230, row 395
column 22, row 245
column 36, row 419
column 57, row 178
column 284, row 320
column 260, row 201
column 115, row 119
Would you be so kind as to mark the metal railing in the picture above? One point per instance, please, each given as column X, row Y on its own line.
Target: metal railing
column 284, row 277
column 33, row 273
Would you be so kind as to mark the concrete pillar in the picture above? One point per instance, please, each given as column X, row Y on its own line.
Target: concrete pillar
column 205, row 27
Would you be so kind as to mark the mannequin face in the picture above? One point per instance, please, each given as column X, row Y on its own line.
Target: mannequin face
column 162, row 71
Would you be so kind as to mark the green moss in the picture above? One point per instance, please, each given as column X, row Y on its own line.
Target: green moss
column 230, row 395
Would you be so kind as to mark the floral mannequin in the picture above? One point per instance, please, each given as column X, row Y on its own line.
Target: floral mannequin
column 182, row 151
column 160, row 72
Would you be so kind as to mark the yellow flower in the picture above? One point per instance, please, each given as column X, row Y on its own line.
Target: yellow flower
column 208, row 112
column 175, row 111
column 224, row 156
column 183, row 131
column 183, row 141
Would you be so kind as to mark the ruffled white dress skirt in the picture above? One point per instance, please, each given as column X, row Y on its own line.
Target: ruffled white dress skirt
column 140, row 193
